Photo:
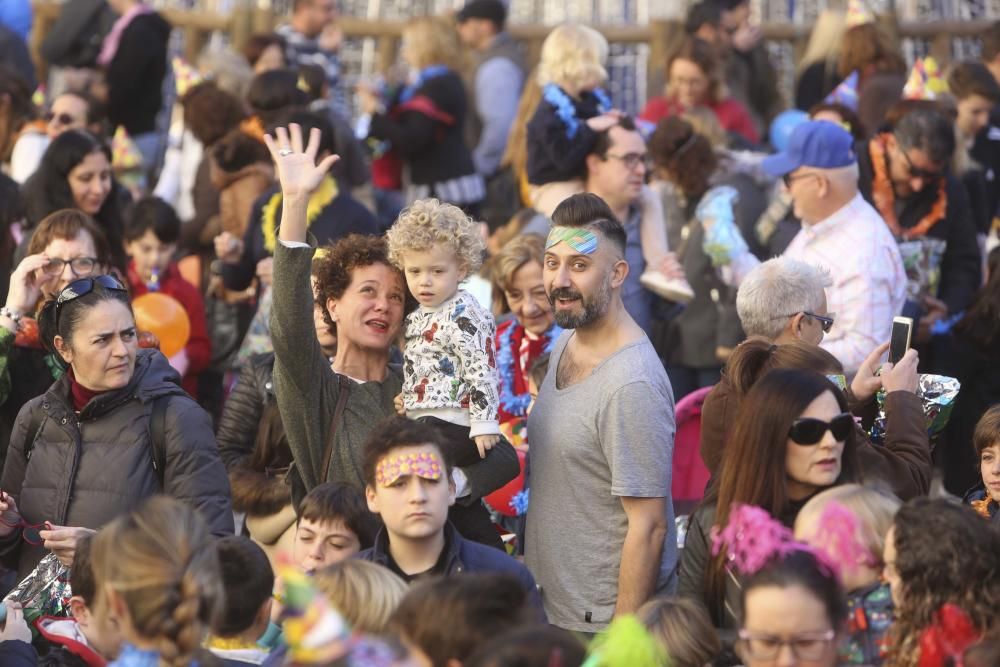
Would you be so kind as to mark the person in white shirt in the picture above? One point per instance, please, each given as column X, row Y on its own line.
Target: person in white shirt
column 842, row 234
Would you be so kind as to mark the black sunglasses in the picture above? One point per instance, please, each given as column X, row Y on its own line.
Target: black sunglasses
column 85, row 286
column 825, row 322
column 917, row 172
column 809, row 431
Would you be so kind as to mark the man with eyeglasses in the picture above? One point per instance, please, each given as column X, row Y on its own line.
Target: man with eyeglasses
column 616, row 172
column 903, row 174
column 842, row 234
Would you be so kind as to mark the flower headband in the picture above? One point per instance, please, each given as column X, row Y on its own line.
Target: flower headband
column 753, row 539
column 582, row 240
column 426, row 465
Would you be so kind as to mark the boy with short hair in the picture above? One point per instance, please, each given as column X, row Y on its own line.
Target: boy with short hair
column 83, row 640
column 408, row 482
column 152, row 230
column 248, row 581
column 334, row 524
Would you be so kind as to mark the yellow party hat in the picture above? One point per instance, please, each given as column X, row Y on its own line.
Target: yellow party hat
column 858, row 13
column 125, row 155
column 185, row 76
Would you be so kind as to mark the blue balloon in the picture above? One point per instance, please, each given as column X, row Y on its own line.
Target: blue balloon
column 783, row 125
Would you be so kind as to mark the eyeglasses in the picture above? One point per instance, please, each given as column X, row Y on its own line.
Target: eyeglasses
column 80, row 266
column 825, row 321
column 809, row 431
column 632, row 160
column 788, row 179
column 918, row 172
column 62, row 118
column 85, row 286
column 807, row 646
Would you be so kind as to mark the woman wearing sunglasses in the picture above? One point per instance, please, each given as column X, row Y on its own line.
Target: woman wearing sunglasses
column 91, row 447
column 794, row 437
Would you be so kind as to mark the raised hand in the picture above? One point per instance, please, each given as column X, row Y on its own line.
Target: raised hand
column 26, row 283
column 298, row 172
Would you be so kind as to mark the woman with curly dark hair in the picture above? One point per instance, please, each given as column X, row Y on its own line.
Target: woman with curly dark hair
column 936, row 553
column 697, row 342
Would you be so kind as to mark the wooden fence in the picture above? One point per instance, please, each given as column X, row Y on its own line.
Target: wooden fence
column 198, row 27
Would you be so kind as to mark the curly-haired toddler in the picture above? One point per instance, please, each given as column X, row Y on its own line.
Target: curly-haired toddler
column 449, row 367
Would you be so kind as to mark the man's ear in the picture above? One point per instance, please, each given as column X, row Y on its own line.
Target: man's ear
column 372, row 500
column 619, row 273
column 795, row 323
column 592, row 161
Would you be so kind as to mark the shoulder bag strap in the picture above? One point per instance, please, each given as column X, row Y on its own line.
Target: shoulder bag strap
column 338, row 413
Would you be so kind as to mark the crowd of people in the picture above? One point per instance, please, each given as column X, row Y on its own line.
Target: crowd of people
column 468, row 366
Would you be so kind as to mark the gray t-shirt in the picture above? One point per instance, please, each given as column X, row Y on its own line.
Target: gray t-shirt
column 608, row 436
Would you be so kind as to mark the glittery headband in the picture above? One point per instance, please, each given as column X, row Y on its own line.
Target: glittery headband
column 425, row 464
column 582, row 240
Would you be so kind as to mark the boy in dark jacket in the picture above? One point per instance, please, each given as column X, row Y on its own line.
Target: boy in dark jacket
column 408, row 482
column 248, row 581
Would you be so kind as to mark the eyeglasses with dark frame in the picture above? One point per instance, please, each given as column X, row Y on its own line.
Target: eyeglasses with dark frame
column 61, row 118
column 80, row 266
column 809, row 431
column 917, row 172
column 632, row 160
column 805, row 646
column 825, row 321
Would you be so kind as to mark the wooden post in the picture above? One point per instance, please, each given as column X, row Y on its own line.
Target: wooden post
column 386, row 47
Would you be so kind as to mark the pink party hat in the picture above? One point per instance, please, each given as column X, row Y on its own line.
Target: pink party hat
column 185, row 76
column 858, row 13
column 846, row 93
column 125, row 155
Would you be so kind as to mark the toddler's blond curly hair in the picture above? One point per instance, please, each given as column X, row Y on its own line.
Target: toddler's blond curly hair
column 429, row 222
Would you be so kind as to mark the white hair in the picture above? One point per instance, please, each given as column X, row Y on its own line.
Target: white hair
column 776, row 290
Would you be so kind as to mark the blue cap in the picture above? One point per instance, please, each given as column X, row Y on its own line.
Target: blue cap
column 815, row 143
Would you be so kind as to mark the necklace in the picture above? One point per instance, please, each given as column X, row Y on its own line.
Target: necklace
column 517, row 404
column 565, row 109
column 885, row 199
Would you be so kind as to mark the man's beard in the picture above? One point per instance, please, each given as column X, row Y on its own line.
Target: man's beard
column 593, row 309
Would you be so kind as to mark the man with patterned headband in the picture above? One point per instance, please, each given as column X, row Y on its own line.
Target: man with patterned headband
column 600, row 531
column 408, row 482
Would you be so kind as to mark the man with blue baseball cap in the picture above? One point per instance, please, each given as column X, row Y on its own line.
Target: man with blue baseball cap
column 841, row 233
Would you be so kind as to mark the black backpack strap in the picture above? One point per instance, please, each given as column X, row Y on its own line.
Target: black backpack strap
column 34, row 429
column 158, row 436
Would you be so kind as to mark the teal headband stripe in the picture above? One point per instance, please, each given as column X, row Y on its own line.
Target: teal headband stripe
column 582, row 240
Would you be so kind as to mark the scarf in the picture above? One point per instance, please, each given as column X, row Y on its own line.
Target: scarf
column 111, row 43
column 320, row 199
column 423, row 77
column 885, row 198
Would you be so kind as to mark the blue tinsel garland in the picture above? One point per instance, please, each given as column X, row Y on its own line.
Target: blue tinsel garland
column 512, row 404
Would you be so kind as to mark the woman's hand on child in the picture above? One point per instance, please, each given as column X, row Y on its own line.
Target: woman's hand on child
column 10, row 517
column 61, row 540
column 866, row 382
column 485, row 443
column 400, row 408
column 15, row 627
column 298, row 172
column 603, row 122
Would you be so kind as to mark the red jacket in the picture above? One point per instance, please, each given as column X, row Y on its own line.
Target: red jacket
column 732, row 116
column 199, row 348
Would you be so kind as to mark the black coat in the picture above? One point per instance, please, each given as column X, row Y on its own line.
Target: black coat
column 135, row 74
column 960, row 265
column 553, row 155
column 434, row 150
column 237, row 433
column 85, row 469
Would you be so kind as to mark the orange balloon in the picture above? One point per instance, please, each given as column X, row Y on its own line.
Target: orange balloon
column 165, row 318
